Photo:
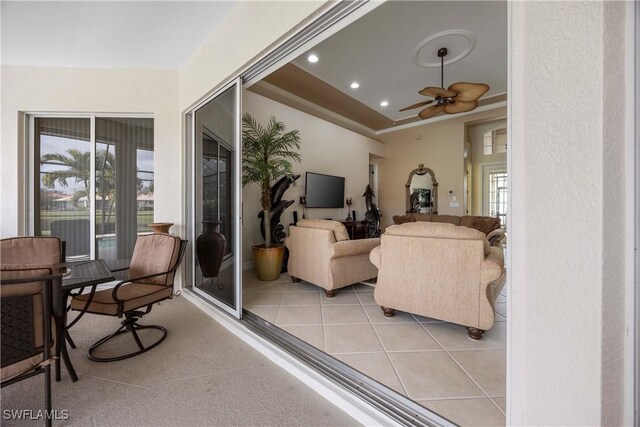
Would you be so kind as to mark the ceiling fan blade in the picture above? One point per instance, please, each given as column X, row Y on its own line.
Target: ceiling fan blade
column 430, row 111
column 437, row 91
column 419, row 104
column 460, row 107
column 469, row 91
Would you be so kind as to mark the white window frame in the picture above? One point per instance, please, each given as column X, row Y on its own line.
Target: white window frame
column 30, row 163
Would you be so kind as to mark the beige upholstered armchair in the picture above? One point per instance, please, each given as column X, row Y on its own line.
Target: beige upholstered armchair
column 442, row 271
column 321, row 253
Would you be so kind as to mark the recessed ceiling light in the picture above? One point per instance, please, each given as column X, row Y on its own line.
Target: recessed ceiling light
column 355, row 85
column 312, row 58
column 384, row 103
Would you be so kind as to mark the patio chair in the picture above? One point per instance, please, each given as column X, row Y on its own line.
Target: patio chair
column 151, row 273
column 27, row 279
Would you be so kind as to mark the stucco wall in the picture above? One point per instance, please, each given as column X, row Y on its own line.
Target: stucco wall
column 48, row 89
column 566, row 223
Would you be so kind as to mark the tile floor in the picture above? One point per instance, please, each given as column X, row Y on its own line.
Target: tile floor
column 432, row 362
column 200, row 375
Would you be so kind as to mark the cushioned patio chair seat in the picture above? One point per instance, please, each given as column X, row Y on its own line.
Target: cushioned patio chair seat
column 134, row 295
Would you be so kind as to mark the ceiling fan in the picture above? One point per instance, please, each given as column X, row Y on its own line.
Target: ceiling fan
column 458, row 98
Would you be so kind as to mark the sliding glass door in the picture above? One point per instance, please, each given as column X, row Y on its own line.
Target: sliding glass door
column 93, row 183
column 216, row 260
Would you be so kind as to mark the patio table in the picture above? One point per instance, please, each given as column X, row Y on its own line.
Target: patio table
column 79, row 276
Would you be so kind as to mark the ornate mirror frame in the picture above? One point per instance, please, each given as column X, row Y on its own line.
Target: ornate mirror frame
column 421, row 170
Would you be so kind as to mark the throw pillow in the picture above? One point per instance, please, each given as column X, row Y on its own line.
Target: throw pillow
column 486, row 224
column 401, row 219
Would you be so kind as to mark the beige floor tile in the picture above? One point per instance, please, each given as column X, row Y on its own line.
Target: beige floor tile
column 405, row 337
column 299, row 315
column 499, row 317
column 376, row 316
column 250, row 276
column 467, row 412
column 257, row 299
column 302, row 287
column 366, row 298
column 501, row 402
column 487, row 367
column 301, row 298
column 267, row 313
column 264, row 286
column 432, row 375
column 455, row 337
column 341, row 297
column 501, row 307
column 376, row 366
column 351, row 339
column 423, row 319
column 343, row 314
column 311, row 334
column 361, row 288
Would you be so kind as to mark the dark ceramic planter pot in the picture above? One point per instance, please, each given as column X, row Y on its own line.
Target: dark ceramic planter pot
column 210, row 248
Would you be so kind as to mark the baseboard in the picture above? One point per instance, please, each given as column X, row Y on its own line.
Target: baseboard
column 247, row 265
column 336, row 395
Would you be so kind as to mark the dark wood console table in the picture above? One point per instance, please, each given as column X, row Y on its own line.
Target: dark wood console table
column 356, row 229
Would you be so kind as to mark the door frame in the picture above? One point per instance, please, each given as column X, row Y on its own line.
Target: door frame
column 237, row 196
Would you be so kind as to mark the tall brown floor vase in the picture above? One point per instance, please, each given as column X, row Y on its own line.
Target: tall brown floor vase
column 210, row 248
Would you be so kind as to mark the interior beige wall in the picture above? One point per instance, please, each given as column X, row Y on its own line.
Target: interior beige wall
column 326, row 148
column 440, row 146
column 475, row 133
column 55, row 90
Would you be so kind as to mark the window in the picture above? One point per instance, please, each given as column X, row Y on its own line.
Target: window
column 498, row 196
column 494, row 142
column 93, row 183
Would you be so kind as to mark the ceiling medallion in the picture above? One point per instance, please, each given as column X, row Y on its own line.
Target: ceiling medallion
column 470, row 40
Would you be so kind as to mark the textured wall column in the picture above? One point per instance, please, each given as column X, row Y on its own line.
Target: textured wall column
column 567, row 190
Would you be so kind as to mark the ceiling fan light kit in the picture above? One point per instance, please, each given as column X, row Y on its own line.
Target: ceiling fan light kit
column 460, row 97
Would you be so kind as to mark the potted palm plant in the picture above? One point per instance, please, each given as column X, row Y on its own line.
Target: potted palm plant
column 267, row 155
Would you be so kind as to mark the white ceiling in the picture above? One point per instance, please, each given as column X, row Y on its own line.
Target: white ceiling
column 376, row 51
column 106, row 34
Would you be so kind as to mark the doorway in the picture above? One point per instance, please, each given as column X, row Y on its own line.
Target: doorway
column 215, row 180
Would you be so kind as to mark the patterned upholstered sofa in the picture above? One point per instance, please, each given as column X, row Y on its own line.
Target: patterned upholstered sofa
column 490, row 226
column 440, row 271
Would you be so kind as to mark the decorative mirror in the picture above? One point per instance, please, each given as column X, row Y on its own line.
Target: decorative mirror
column 421, row 191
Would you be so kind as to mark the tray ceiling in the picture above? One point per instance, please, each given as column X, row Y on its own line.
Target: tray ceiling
column 376, row 52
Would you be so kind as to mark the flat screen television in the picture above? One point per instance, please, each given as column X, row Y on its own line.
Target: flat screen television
column 324, row 191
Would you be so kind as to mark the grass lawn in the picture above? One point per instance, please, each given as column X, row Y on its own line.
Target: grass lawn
column 47, row 217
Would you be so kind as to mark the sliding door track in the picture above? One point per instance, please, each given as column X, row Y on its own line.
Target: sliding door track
column 396, row 406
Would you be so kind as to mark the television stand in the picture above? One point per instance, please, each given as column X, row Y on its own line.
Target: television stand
column 356, row 229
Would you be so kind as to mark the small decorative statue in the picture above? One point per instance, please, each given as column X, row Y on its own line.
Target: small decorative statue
column 373, row 214
column 303, row 203
column 349, row 202
column 277, row 207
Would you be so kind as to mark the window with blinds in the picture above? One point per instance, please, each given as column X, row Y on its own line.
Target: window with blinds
column 94, row 187
column 494, row 142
